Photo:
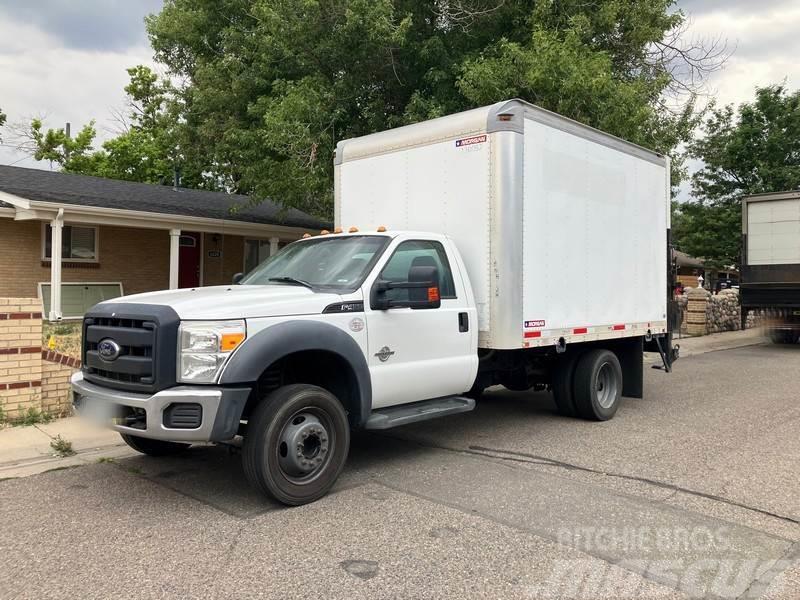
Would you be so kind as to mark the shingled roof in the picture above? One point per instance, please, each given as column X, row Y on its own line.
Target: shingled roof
column 83, row 190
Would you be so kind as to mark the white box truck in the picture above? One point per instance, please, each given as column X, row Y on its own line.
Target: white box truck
column 504, row 245
column 770, row 270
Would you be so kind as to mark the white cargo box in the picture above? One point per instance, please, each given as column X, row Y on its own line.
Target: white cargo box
column 563, row 228
column 772, row 226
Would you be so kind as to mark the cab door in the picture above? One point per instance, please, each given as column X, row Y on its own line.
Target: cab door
column 418, row 354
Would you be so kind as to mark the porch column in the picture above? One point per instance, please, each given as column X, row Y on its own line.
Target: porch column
column 273, row 245
column 174, row 255
column 56, row 227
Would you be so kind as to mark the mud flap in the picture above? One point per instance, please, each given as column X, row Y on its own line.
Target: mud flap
column 631, row 359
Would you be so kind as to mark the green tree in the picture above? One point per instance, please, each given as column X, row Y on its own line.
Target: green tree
column 755, row 149
column 145, row 150
column 73, row 154
column 708, row 230
column 269, row 86
column 749, row 150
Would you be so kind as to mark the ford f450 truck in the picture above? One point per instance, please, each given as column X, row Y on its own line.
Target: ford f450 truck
column 500, row 246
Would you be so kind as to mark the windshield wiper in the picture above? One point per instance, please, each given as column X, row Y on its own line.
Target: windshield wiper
column 293, row 280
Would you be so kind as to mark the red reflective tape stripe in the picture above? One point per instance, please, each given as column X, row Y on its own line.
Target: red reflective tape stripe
column 533, row 334
column 618, row 327
column 580, row 330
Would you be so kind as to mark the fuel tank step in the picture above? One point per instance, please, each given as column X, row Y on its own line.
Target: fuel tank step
column 386, row 418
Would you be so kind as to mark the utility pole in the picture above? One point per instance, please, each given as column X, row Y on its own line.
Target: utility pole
column 66, row 142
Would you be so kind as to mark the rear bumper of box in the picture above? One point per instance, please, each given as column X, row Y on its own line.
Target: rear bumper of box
column 218, row 416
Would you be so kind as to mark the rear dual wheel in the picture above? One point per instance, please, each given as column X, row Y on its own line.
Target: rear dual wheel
column 296, row 444
column 588, row 385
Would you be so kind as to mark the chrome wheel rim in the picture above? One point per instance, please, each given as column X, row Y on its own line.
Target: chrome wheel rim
column 304, row 445
column 606, row 386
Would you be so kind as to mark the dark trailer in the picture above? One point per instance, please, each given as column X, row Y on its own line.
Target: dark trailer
column 770, row 273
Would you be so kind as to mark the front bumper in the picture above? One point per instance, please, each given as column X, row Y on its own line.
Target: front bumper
column 221, row 410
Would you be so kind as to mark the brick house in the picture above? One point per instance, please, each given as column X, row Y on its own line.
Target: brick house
column 73, row 240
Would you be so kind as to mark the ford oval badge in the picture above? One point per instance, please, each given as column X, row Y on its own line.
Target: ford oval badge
column 108, row 349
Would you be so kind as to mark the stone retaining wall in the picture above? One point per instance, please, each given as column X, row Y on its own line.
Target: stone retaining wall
column 705, row 313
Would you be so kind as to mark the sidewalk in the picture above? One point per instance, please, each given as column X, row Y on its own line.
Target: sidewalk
column 720, row 341
column 25, row 450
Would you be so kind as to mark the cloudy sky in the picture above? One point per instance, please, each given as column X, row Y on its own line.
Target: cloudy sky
column 66, row 59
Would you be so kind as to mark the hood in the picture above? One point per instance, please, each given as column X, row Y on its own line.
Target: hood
column 237, row 301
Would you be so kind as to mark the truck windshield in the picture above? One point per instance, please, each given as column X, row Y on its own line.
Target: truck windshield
column 336, row 263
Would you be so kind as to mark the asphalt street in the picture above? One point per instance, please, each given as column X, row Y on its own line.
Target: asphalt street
column 693, row 491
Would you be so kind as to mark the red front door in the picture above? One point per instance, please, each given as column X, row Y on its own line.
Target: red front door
column 189, row 260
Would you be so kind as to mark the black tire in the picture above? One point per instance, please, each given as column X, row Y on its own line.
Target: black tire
column 153, row 447
column 597, row 385
column 781, row 336
column 281, row 419
column 561, row 385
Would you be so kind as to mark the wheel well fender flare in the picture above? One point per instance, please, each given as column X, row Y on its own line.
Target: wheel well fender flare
column 273, row 343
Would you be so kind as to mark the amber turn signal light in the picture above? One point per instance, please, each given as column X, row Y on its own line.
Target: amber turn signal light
column 229, row 341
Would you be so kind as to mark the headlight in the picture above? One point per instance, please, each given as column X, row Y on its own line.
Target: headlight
column 205, row 346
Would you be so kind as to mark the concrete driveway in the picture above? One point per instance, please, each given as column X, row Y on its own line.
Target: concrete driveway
column 692, row 492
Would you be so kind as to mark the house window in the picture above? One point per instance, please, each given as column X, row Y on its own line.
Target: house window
column 77, row 243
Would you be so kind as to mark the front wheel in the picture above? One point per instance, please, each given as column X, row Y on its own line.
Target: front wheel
column 296, row 444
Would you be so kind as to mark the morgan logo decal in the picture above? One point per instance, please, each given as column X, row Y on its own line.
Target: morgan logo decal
column 536, row 323
column 470, row 141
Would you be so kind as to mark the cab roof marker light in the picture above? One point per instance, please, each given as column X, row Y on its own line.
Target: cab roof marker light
column 353, row 230
column 324, row 232
column 337, row 230
column 381, row 229
column 306, row 236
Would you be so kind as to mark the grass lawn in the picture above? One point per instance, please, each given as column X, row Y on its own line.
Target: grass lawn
column 66, row 336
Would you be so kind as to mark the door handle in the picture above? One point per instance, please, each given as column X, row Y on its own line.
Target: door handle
column 463, row 322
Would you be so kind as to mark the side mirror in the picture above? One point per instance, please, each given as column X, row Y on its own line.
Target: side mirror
column 237, row 278
column 422, row 286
